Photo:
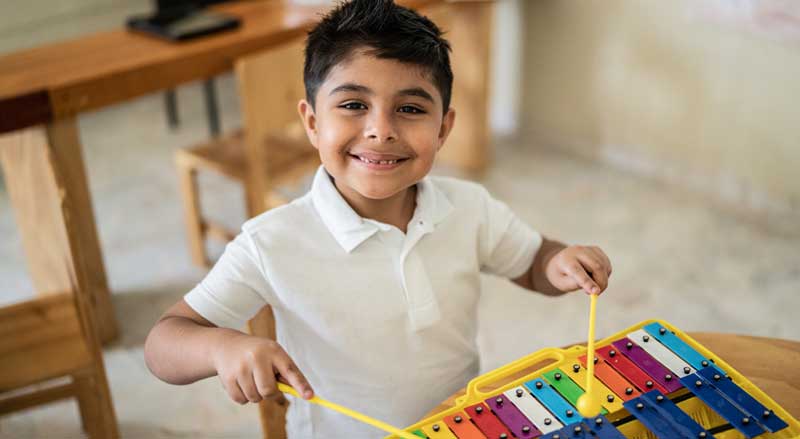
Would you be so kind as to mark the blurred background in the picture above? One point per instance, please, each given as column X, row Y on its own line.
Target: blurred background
column 667, row 133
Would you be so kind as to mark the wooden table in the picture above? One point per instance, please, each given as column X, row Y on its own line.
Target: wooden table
column 43, row 90
column 769, row 363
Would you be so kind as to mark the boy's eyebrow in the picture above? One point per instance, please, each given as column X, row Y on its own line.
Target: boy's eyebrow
column 352, row 87
column 416, row 91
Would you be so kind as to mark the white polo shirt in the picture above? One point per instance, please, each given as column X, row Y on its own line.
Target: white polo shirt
column 379, row 321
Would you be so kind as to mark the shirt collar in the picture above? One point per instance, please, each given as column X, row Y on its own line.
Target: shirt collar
column 350, row 230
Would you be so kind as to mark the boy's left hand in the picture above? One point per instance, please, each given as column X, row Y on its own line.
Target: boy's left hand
column 577, row 266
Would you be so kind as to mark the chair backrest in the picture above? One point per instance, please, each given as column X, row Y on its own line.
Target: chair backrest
column 272, row 413
column 270, row 86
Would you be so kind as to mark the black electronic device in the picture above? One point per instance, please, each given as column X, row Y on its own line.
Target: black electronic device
column 182, row 23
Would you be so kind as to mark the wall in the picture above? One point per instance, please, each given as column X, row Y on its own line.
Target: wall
column 506, row 67
column 666, row 90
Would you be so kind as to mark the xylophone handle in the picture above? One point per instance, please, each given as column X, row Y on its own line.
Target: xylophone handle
column 554, row 355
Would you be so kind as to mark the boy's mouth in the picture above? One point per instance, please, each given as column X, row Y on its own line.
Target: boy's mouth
column 378, row 160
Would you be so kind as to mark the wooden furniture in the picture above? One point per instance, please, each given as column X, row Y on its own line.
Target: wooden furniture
column 43, row 90
column 468, row 27
column 272, row 412
column 272, row 140
column 52, row 336
column 768, row 363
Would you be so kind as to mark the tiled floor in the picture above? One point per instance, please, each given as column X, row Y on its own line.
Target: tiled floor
column 674, row 258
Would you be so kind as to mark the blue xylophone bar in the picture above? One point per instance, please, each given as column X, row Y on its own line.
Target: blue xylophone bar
column 676, row 345
column 746, row 403
column 563, row 410
column 663, row 417
column 708, row 394
column 591, row 428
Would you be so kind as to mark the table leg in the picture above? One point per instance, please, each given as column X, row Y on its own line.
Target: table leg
column 210, row 93
column 468, row 27
column 28, row 157
column 171, row 106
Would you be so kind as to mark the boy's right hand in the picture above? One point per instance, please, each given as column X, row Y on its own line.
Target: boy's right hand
column 249, row 366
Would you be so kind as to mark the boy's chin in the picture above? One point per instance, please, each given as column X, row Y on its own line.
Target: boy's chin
column 379, row 193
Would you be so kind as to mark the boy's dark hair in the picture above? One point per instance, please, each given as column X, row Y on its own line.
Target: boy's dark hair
column 388, row 31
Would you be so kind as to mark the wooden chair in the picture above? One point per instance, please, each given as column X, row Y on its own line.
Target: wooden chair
column 49, row 345
column 270, row 152
column 272, row 413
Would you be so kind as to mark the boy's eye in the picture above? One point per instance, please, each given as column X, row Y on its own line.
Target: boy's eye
column 411, row 109
column 353, row 106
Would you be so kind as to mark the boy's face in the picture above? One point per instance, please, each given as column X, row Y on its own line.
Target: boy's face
column 378, row 124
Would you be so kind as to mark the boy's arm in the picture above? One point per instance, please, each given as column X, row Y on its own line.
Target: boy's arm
column 184, row 347
column 180, row 346
column 557, row 269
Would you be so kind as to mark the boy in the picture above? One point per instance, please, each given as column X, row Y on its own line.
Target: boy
column 373, row 275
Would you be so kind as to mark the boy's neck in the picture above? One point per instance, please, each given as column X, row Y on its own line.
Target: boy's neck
column 396, row 210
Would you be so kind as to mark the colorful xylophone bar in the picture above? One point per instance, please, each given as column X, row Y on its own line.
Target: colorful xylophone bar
column 656, row 382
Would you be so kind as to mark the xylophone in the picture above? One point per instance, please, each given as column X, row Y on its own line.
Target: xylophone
column 656, row 382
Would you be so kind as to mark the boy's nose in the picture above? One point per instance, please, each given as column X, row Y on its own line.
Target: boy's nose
column 380, row 127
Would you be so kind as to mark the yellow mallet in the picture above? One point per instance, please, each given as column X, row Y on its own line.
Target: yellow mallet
column 351, row 413
column 589, row 404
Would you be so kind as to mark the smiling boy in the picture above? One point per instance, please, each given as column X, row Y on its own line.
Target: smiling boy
column 374, row 275
column 377, row 124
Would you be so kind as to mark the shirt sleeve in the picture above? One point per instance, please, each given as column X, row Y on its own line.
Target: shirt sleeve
column 235, row 289
column 508, row 245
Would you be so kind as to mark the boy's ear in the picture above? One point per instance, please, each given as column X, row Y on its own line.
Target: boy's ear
column 447, row 125
column 309, row 120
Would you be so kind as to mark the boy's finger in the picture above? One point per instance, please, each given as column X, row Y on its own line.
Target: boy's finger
column 249, row 389
column 232, row 387
column 264, row 379
column 603, row 257
column 594, row 266
column 295, row 378
column 583, row 280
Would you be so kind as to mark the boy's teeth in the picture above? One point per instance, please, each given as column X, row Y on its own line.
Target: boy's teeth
column 381, row 162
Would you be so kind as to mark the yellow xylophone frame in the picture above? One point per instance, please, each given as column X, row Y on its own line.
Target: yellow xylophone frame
column 634, row 429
